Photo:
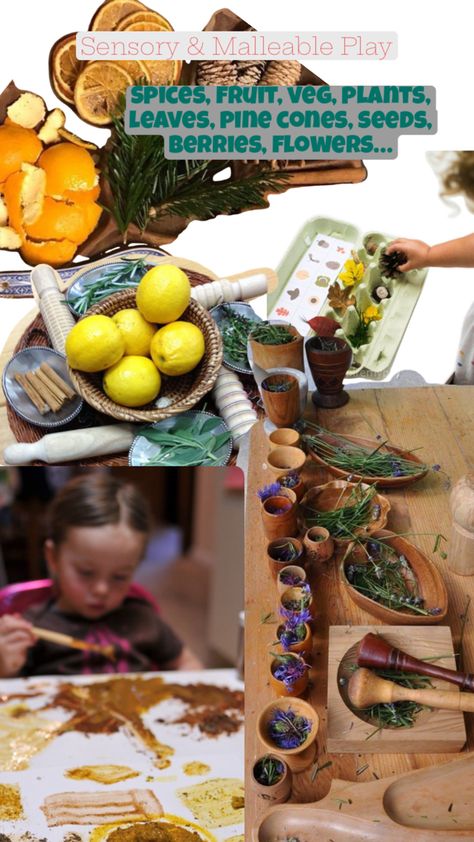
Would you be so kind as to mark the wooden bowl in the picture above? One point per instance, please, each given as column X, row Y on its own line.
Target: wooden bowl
column 383, row 482
column 177, row 393
column 333, row 495
column 282, row 460
column 298, row 758
column 431, row 586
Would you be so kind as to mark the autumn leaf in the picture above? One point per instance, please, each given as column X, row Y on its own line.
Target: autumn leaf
column 340, row 299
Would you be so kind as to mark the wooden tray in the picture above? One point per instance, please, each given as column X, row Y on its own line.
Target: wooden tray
column 421, row 806
column 434, row 731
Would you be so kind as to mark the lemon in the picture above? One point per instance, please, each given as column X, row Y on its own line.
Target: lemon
column 94, row 343
column 163, row 294
column 136, row 331
column 177, row 348
column 133, row 381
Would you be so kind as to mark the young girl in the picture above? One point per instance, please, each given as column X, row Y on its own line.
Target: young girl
column 97, row 536
column 457, row 177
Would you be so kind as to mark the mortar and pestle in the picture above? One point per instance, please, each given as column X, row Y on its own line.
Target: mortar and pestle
column 374, row 651
column 366, row 689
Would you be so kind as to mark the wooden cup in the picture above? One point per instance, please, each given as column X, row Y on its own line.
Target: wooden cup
column 282, row 408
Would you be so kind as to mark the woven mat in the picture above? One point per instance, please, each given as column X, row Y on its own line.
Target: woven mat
column 33, row 332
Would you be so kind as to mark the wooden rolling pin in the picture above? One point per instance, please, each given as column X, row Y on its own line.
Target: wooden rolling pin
column 223, row 290
column 73, row 642
column 366, row 689
column 71, row 445
column 375, row 651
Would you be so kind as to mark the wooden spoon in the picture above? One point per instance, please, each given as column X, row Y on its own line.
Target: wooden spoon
column 73, row 642
column 366, row 689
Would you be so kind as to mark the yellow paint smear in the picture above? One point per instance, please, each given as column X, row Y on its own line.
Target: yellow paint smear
column 217, row 802
column 11, row 807
column 196, row 768
column 23, row 733
column 105, row 774
column 168, row 821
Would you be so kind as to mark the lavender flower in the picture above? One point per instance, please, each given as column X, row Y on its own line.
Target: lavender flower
column 269, row 491
column 436, row 467
column 290, row 480
column 288, row 729
column 293, row 629
column 290, row 668
column 291, row 579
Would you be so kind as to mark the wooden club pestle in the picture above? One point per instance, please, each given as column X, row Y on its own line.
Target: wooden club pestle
column 374, row 651
column 366, row 689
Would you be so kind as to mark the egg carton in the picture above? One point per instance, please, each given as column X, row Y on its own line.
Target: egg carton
column 373, row 359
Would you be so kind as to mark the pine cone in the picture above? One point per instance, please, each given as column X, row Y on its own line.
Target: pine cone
column 281, row 73
column 389, row 263
column 249, row 72
column 216, row 73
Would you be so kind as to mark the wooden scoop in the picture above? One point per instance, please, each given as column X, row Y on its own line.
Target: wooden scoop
column 427, row 805
column 375, row 651
column 366, row 689
column 73, row 642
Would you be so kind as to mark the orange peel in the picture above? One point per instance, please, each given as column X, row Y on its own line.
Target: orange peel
column 17, row 146
column 67, row 167
column 52, row 252
column 62, row 221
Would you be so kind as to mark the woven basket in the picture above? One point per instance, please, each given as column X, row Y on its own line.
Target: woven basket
column 181, row 393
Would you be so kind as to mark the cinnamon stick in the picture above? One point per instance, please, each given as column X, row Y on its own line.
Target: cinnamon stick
column 58, row 380
column 32, row 393
column 55, row 390
column 43, row 390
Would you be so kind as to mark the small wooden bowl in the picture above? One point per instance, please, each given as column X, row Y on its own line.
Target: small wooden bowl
column 278, row 792
column 297, row 688
column 333, row 495
column 298, row 758
column 431, row 586
column 283, row 460
column 290, row 569
column 383, row 482
column 284, row 437
column 275, row 564
column 180, row 393
column 300, row 647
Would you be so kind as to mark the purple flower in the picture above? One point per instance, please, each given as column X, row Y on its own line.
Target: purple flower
column 288, row 729
column 436, row 467
column 290, row 480
column 269, row 491
column 289, row 670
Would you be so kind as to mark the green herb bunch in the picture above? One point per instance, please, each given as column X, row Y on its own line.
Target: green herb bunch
column 191, row 441
column 235, row 330
column 271, row 334
column 146, row 186
column 357, row 511
column 114, row 279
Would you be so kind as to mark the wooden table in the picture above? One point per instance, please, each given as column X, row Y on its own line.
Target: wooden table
column 438, row 419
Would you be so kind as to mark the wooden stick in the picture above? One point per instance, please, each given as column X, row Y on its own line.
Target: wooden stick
column 73, row 642
column 43, row 390
column 55, row 377
column 32, row 393
column 53, row 388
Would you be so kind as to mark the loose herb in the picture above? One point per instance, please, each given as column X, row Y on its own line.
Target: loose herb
column 146, row 186
column 286, row 551
column 267, row 618
column 326, row 343
column 277, row 384
column 317, row 768
column 357, row 511
column 268, row 770
column 271, row 334
column 387, row 578
column 290, row 579
column 348, row 456
column 290, row 480
column 235, row 329
column 288, row 729
column 114, row 279
column 397, row 714
column 191, row 441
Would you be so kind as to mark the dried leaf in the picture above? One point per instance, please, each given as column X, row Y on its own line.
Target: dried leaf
column 340, row 299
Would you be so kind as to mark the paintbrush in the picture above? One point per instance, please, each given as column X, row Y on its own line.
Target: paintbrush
column 73, row 642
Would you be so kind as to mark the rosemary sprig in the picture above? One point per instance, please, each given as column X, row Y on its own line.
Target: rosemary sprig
column 397, row 714
column 235, row 329
column 128, row 275
column 268, row 334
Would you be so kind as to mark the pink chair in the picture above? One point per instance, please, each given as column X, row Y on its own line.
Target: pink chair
column 17, row 598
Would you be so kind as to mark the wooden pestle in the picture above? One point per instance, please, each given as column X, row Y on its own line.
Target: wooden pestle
column 366, row 689
column 374, row 651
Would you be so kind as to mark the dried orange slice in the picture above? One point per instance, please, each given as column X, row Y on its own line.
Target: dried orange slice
column 65, row 67
column 98, row 89
column 146, row 16
column 163, row 72
column 112, row 12
column 137, row 69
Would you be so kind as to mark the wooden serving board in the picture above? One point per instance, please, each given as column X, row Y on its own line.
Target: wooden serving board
column 434, row 731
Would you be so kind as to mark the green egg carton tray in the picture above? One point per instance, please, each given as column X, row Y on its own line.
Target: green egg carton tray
column 315, row 260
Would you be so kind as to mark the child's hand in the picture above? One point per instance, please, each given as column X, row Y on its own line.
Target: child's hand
column 416, row 250
column 16, row 638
